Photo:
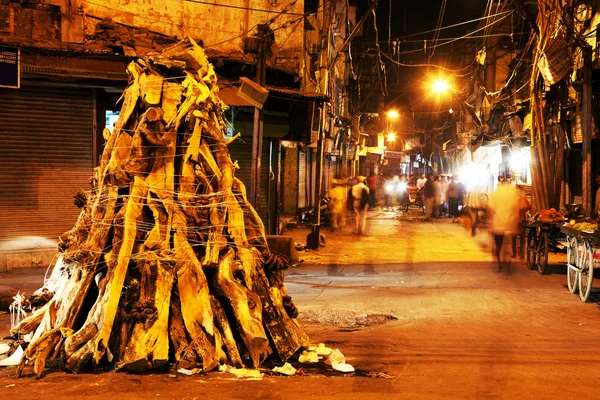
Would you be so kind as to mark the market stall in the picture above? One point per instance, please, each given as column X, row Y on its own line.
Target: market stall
column 543, row 236
column 582, row 255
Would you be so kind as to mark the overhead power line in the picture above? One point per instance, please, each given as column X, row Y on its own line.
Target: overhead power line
column 240, row 7
column 453, row 26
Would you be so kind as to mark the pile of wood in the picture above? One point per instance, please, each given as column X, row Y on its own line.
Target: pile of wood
column 168, row 262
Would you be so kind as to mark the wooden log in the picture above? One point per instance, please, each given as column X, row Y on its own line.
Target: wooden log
column 108, row 300
column 39, row 351
column 185, row 356
column 287, row 336
column 195, row 296
column 187, row 183
column 171, row 100
column 149, row 342
column 32, row 321
column 245, row 305
column 151, row 90
column 229, row 341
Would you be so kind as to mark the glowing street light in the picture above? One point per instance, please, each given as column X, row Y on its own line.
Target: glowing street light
column 391, row 137
column 440, row 86
column 392, row 114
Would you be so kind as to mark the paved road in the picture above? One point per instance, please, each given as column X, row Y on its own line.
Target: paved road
column 461, row 329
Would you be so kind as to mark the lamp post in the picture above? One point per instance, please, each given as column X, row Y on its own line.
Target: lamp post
column 391, row 115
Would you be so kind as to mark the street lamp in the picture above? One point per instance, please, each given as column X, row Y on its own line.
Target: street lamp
column 441, row 86
column 392, row 114
column 391, row 137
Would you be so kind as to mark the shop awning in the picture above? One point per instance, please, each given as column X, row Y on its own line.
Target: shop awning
column 228, row 93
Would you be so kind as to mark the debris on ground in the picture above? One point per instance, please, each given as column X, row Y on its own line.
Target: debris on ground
column 343, row 318
column 189, row 372
column 14, row 359
column 285, row 369
column 338, row 362
column 241, row 372
column 308, row 357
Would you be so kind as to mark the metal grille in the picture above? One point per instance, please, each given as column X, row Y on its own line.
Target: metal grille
column 46, row 156
column 242, row 153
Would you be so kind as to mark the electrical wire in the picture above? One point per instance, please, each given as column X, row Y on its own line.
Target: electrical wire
column 242, row 8
column 449, row 26
column 436, row 35
column 459, row 38
column 422, row 65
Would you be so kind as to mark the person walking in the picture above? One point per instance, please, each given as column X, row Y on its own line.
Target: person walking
column 360, row 204
column 453, row 195
column 372, row 184
column 428, row 195
column 421, row 181
column 338, row 195
column 437, row 197
column 476, row 206
column 444, row 196
column 524, row 207
column 504, row 208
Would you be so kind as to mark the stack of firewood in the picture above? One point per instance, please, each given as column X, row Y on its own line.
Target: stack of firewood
column 168, row 262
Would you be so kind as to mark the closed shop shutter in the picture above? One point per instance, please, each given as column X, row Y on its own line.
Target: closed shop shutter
column 46, row 157
column 302, row 197
column 242, row 153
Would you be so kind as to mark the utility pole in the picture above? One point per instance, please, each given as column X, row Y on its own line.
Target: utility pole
column 257, row 134
column 586, row 122
column 313, row 238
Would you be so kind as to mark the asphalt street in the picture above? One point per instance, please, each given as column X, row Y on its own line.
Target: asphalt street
column 419, row 309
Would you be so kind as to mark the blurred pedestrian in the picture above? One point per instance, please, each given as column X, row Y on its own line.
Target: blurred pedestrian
column 444, row 195
column 476, row 207
column 372, row 184
column 360, row 204
column 338, row 195
column 504, row 208
column 453, row 195
column 421, row 181
column 524, row 207
column 428, row 195
column 437, row 196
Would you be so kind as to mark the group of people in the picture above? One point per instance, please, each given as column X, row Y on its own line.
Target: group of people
column 343, row 197
column 441, row 195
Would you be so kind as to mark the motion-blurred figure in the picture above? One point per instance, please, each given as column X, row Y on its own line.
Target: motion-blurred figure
column 338, row 195
column 372, row 184
column 428, row 196
column 360, row 204
column 504, row 209
column 453, row 196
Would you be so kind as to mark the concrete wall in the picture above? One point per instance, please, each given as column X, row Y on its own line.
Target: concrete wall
column 221, row 27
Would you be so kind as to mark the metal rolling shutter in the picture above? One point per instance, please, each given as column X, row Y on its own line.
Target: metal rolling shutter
column 242, row 153
column 46, row 151
column 302, row 197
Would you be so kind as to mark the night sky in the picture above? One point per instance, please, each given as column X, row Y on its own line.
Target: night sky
column 409, row 17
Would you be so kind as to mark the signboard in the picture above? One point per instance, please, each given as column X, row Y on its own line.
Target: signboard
column 396, row 155
column 10, row 60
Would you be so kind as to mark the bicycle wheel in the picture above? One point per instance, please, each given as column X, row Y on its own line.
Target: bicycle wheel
column 586, row 276
column 572, row 272
column 542, row 260
column 531, row 249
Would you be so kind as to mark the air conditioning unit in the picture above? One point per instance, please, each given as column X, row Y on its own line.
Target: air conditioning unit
column 253, row 93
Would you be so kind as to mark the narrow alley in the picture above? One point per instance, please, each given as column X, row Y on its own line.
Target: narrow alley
column 420, row 311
